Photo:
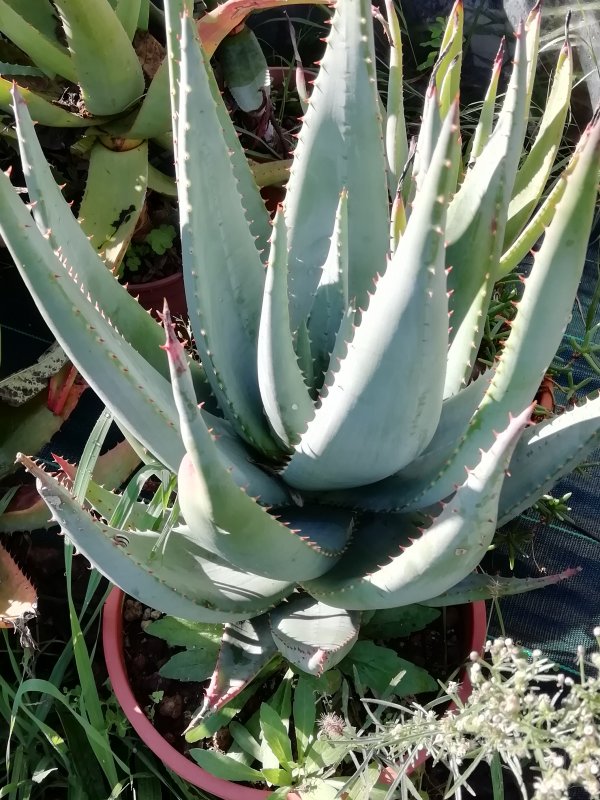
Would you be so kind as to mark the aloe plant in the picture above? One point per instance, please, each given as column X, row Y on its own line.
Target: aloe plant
column 332, row 480
column 120, row 108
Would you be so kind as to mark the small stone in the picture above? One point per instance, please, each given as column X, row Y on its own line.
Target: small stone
column 132, row 610
column 171, row 707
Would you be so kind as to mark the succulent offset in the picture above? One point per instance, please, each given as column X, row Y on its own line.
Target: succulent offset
column 324, row 476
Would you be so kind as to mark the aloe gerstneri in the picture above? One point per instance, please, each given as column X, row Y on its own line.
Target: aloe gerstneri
column 333, row 480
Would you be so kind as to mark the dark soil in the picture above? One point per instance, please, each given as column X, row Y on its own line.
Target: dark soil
column 40, row 555
column 158, row 211
column 440, row 648
column 144, row 656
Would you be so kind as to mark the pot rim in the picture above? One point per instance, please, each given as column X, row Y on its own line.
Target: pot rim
column 112, row 640
column 154, row 284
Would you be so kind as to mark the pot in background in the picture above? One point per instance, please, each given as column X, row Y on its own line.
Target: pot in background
column 152, row 295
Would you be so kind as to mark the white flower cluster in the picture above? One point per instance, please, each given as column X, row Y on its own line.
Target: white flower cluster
column 520, row 711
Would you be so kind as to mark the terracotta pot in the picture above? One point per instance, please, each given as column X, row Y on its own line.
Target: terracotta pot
column 152, row 295
column 112, row 639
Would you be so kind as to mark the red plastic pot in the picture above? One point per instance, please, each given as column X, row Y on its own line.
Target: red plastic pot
column 112, row 638
column 151, row 295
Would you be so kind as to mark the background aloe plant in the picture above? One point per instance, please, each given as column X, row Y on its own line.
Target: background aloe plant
column 93, row 66
column 331, row 482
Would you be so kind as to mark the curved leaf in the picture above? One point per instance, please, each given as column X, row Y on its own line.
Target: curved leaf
column 114, row 196
column 545, row 453
column 361, row 433
column 223, row 272
column 311, row 635
column 385, row 567
column 284, row 393
column 43, row 50
column 475, row 229
column 535, row 335
column 339, row 147
column 107, row 66
column 535, row 170
column 228, row 522
column 176, row 576
column 479, row 586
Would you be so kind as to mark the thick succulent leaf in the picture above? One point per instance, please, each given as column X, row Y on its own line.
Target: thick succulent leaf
column 270, row 173
column 27, row 511
column 475, row 228
column 535, row 170
column 256, row 214
column 18, row 599
column 457, row 412
column 246, row 473
column 55, row 220
column 397, row 219
column 360, row 432
column 161, row 183
column 114, row 196
column 304, row 356
column 534, row 230
column 41, row 110
column 244, row 69
column 331, row 298
column 340, row 147
column 128, row 385
column 128, row 13
column 31, row 425
column 246, row 649
column 396, row 143
column 485, row 123
column 448, row 91
column 441, row 556
column 450, row 57
column 41, row 14
column 179, row 632
column 311, row 635
column 119, row 373
column 479, row 586
column 429, row 132
column 226, row 520
column 108, row 69
column 388, row 495
column 533, row 25
column 224, row 275
column 43, row 50
column 535, row 334
column 173, row 575
column 284, row 393
column 545, row 453
column 154, row 115
column 538, row 223
column 21, row 386
column 105, row 502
